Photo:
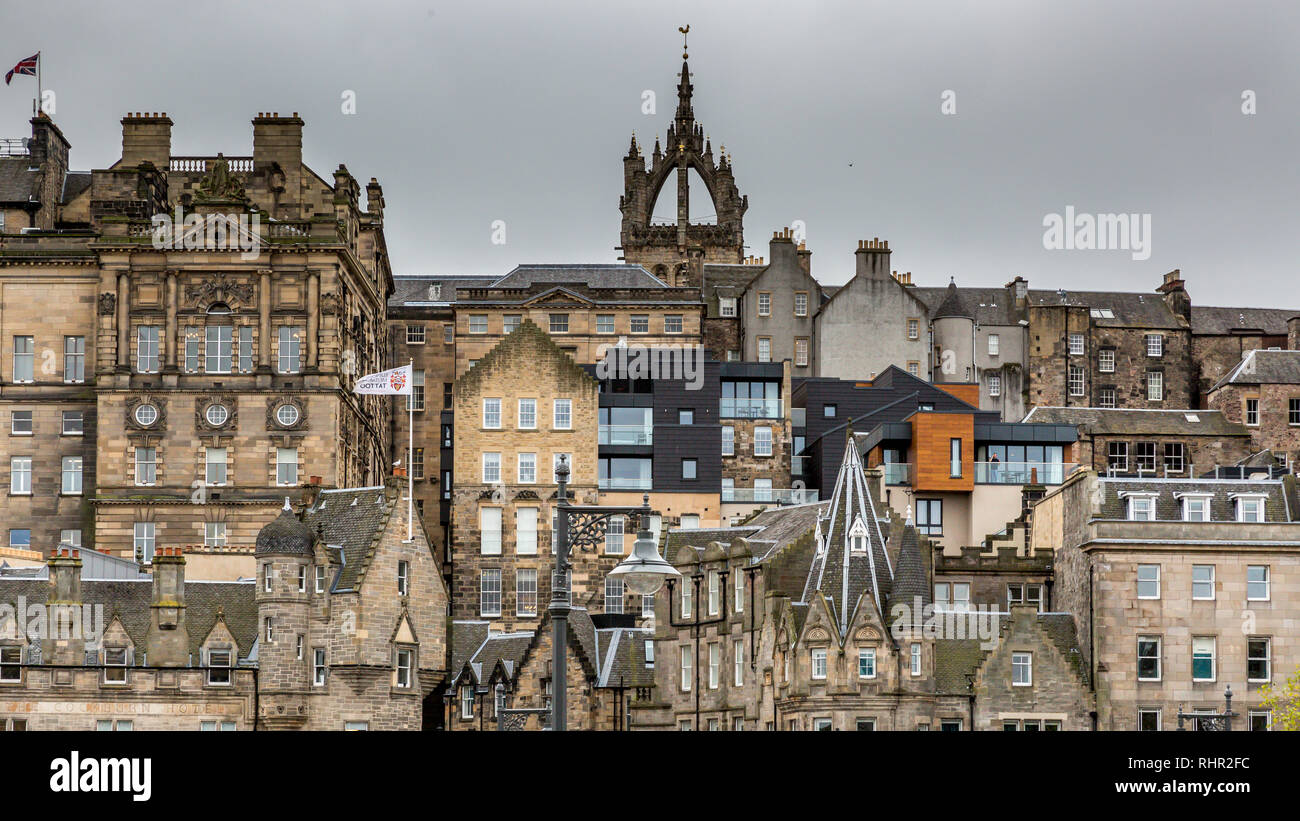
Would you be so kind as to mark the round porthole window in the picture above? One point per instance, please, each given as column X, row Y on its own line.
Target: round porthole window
column 287, row 415
column 217, row 415
column 146, row 415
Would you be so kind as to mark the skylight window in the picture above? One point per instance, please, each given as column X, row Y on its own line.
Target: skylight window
column 1102, row 313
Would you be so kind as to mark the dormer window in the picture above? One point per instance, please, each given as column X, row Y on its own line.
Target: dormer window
column 1141, row 507
column 1196, row 507
column 1250, row 508
column 858, row 537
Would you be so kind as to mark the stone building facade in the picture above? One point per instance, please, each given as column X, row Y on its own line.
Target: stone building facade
column 159, row 653
column 757, row 634
column 1180, row 588
column 1166, row 443
column 1262, row 393
column 518, row 410
column 194, row 371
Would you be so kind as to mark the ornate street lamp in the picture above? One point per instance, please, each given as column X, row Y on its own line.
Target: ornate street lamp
column 584, row 526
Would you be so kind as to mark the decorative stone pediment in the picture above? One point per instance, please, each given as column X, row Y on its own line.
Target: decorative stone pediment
column 866, row 635
column 817, row 635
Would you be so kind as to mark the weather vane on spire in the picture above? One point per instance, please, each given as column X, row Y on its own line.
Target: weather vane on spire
column 685, row 30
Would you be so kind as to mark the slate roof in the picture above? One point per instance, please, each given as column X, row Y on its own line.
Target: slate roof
column 841, row 574
column 474, row 645
column 74, row 184
column 130, row 601
column 957, row 660
column 988, row 306
column 17, row 179
column 1140, row 422
column 620, row 654
column 595, row 276
column 910, row 580
column 285, row 535
column 1169, row 506
column 1264, row 368
column 415, row 289
column 1221, row 321
column 352, row 519
column 952, row 304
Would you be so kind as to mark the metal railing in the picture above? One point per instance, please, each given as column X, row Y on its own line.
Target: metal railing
column 14, row 147
column 626, row 435
column 1022, row 473
column 751, row 409
column 769, row 495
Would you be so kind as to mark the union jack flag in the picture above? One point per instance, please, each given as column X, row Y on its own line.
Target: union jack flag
column 27, row 67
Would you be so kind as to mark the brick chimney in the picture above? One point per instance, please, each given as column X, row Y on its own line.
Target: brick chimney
column 168, row 641
column 1176, row 296
column 49, row 152
column 147, row 138
column 873, row 259
column 805, row 258
column 1293, row 333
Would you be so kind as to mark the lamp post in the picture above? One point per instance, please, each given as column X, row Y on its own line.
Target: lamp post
column 1211, row 721
column 583, row 526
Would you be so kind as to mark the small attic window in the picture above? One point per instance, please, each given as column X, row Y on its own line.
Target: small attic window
column 858, row 537
column 1191, row 417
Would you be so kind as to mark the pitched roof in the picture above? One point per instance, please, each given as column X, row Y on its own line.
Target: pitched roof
column 1168, row 497
column 129, row 600
column 910, row 580
column 420, row 290
column 595, row 276
column 17, row 179
column 842, row 574
column 1211, row 320
column 1262, row 367
column 620, row 657
column 352, row 519
column 1140, row 421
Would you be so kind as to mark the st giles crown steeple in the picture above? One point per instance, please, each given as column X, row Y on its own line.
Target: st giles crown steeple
column 676, row 252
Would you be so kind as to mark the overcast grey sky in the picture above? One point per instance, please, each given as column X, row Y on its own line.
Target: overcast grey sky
column 521, row 111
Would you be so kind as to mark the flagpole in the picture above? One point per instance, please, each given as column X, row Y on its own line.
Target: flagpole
column 410, row 458
column 39, row 109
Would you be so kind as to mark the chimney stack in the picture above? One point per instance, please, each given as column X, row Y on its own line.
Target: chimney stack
column 168, row 641
column 1019, row 288
column 1293, row 333
column 147, row 138
column 278, row 140
column 1176, row 296
column 805, row 258
column 782, row 250
column 873, row 259
column 65, row 643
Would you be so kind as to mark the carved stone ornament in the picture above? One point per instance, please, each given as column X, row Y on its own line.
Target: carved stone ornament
column 107, row 303
column 273, row 416
column 203, row 403
column 219, row 184
column 133, row 418
column 218, row 287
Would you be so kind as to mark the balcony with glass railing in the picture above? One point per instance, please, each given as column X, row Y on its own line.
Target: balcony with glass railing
column 623, row 483
column 897, row 473
column 769, row 495
column 1023, row 473
column 626, row 435
column 751, row 409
